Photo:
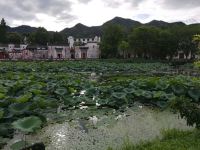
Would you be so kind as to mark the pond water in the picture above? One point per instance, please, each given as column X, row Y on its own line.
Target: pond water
column 136, row 124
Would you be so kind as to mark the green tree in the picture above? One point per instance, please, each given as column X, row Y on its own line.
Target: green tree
column 167, row 44
column 124, row 49
column 3, row 31
column 112, row 36
column 41, row 36
column 14, row 38
column 196, row 40
column 184, row 34
column 57, row 38
column 143, row 41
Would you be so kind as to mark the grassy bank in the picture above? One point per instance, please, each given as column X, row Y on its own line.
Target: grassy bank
column 172, row 140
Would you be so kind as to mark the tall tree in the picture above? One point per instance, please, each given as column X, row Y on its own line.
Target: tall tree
column 196, row 40
column 41, row 36
column 184, row 35
column 14, row 38
column 143, row 41
column 3, row 32
column 167, row 44
column 124, row 49
column 57, row 38
column 112, row 36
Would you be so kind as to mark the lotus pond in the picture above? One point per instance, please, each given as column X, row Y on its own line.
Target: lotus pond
column 87, row 96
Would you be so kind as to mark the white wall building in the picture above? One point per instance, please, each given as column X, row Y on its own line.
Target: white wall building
column 4, row 47
column 58, row 52
column 16, row 47
column 85, row 47
column 80, row 48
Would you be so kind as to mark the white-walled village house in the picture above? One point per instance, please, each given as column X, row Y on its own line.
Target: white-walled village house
column 76, row 49
column 15, row 51
column 79, row 48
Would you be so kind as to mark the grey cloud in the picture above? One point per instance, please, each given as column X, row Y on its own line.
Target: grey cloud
column 113, row 4
column 84, row 1
column 181, row 4
column 116, row 3
column 143, row 16
column 135, row 3
column 26, row 10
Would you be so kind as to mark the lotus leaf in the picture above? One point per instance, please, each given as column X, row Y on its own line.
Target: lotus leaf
column 159, row 94
column 139, row 92
column 3, row 103
column 16, row 77
column 117, row 88
column 37, row 86
column 51, row 86
column 61, row 91
column 103, row 101
column 3, row 89
column 119, row 95
column 162, row 85
column 194, row 93
column 24, row 98
column 19, row 108
column 52, row 103
column 24, row 82
column 72, row 90
column 142, row 84
column 161, row 104
column 35, row 91
column 147, row 94
column 7, row 101
column 28, row 124
column 170, row 96
column 105, row 89
column 134, row 83
column 129, row 90
column 5, row 130
column 9, row 83
column 44, row 102
column 91, row 91
column 7, row 114
column 19, row 145
column 179, row 89
column 69, row 101
column 2, row 96
column 1, row 113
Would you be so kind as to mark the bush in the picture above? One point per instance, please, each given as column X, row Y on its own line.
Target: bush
column 188, row 110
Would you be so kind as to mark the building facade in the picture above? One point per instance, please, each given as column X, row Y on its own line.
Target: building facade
column 76, row 49
column 3, row 51
column 80, row 48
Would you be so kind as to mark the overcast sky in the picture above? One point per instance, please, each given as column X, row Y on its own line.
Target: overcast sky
column 56, row 15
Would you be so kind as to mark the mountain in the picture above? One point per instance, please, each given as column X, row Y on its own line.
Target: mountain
column 81, row 31
column 22, row 29
column 158, row 23
column 127, row 23
column 163, row 24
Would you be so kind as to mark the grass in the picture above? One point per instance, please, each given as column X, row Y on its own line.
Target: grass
column 172, row 140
